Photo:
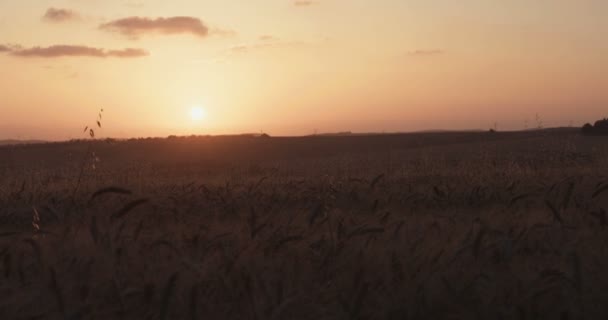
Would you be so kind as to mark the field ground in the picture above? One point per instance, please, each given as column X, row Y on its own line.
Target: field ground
column 414, row 226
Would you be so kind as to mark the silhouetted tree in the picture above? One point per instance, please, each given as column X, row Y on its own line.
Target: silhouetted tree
column 587, row 129
column 599, row 128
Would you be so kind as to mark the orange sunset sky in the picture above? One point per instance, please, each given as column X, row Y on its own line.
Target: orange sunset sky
column 290, row 67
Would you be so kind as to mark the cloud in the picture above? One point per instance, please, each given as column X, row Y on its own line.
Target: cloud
column 58, row 51
column 304, row 3
column 226, row 33
column 239, row 49
column 267, row 43
column 128, row 53
column 134, row 27
column 425, row 53
column 267, row 38
column 60, row 15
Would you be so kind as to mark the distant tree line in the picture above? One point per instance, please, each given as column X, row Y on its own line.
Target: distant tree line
column 599, row 128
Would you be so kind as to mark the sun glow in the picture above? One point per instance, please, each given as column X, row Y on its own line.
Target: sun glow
column 197, row 113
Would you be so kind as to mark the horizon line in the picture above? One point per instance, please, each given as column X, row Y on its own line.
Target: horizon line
column 250, row 134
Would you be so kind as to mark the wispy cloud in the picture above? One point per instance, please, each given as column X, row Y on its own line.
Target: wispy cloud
column 304, row 3
column 58, row 51
column 134, row 27
column 241, row 48
column 267, row 38
column 266, row 44
column 60, row 15
column 220, row 32
column 273, row 42
column 425, row 53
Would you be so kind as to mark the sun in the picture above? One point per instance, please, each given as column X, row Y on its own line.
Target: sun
column 197, row 113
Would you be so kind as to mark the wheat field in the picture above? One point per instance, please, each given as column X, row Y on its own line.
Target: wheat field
column 411, row 226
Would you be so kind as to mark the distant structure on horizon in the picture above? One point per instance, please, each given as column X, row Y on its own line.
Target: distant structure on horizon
column 599, row 128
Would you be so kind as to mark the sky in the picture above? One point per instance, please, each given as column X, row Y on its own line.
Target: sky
column 295, row 67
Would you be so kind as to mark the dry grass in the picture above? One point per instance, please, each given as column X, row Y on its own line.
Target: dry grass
column 435, row 226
